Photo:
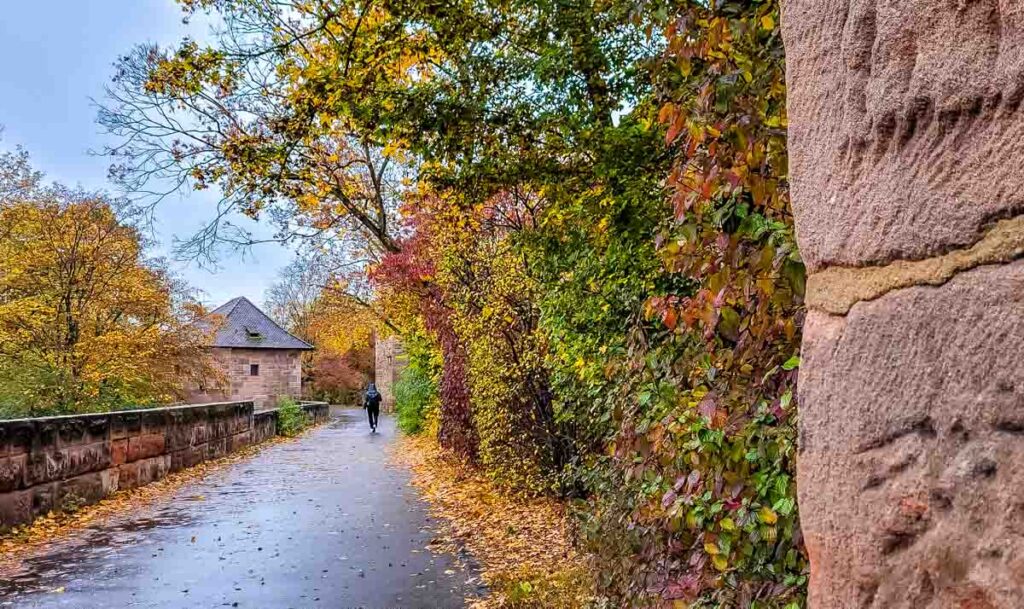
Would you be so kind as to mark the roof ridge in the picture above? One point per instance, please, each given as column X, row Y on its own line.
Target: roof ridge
column 229, row 306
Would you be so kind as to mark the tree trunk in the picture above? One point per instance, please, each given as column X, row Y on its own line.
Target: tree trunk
column 905, row 141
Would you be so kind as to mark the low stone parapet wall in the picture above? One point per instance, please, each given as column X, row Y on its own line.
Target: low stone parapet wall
column 318, row 412
column 58, row 462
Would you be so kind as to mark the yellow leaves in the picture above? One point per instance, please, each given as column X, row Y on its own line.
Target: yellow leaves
column 767, row 22
column 767, row 515
column 685, row 67
column 719, row 558
column 516, row 540
column 395, row 149
column 122, row 332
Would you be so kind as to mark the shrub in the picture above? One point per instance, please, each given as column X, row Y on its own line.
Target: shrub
column 415, row 394
column 291, row 419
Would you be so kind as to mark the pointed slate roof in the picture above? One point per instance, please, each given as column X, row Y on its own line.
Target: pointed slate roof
column 245, row 326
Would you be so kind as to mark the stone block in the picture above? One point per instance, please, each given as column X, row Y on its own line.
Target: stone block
column 153, row 468
column 85, row 489
column 142, row 472
column 44, row 497
column 124, row 424
column 154, row 421
column 44, row 436
column 240, row 440
column 145, row 446
column 12, row 472
column 217, row 448
column 911, row 477
column 119, row 451
column 50, row 465
column 188, row 457
column 71, row 431
column 200, row 434
column 128, row 475
column 18, row 436
column 15, row 508
column 97, row 428
column 898, row 115
column 178, row 436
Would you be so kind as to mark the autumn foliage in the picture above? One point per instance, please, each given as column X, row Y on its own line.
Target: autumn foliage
column 589, row 244
column 311, row 301
column 87, row 321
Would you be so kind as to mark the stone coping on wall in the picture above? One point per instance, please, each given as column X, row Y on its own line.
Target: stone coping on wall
column 94, row 415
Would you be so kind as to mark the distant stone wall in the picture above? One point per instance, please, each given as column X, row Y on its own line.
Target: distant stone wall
column 279, row 375
column 54, row 462
column 390, row 361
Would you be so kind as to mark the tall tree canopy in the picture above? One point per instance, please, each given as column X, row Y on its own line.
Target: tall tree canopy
column 87, row 321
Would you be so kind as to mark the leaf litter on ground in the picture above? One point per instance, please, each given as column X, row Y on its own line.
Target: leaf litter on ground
column 523, row 545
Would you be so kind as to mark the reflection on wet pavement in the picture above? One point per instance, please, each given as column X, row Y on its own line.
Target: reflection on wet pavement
column 322, row 521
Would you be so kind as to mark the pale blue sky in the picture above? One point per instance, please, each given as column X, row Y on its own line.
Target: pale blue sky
column 56, row 55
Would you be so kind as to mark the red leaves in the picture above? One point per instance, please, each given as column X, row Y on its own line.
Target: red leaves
column 669, row 318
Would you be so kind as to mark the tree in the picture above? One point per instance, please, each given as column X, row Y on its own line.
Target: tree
column 243, row 117
column 87, row 321
column 317, row 304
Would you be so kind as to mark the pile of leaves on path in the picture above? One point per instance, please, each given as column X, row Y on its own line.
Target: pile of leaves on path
column 523, row 546
column 25, row 541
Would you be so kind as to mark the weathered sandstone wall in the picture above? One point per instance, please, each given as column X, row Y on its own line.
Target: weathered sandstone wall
column 53, row 462
column 390, row 360
column 905, row 137
column 279, row 374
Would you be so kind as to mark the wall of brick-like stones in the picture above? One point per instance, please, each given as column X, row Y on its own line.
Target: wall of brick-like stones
column 52, row 462
column 280, row 375
column 390, row 360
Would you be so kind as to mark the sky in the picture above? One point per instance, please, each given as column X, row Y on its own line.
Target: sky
column 58, row 55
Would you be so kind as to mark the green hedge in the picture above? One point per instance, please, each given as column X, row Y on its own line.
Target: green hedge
column 415, row 394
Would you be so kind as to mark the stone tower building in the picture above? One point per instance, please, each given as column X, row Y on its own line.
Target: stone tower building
column 390, row 360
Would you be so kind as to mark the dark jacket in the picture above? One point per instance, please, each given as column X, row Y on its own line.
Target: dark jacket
column 372, row 399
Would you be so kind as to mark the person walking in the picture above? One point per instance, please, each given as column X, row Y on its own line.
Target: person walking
column 372, row 405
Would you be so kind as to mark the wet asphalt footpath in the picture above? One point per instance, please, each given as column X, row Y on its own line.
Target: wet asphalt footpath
column 322, row 521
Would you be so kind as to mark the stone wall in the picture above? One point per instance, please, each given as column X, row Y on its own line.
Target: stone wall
column 390, row 360
column 53, row 462
column 904, row 127
column 280, row 374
